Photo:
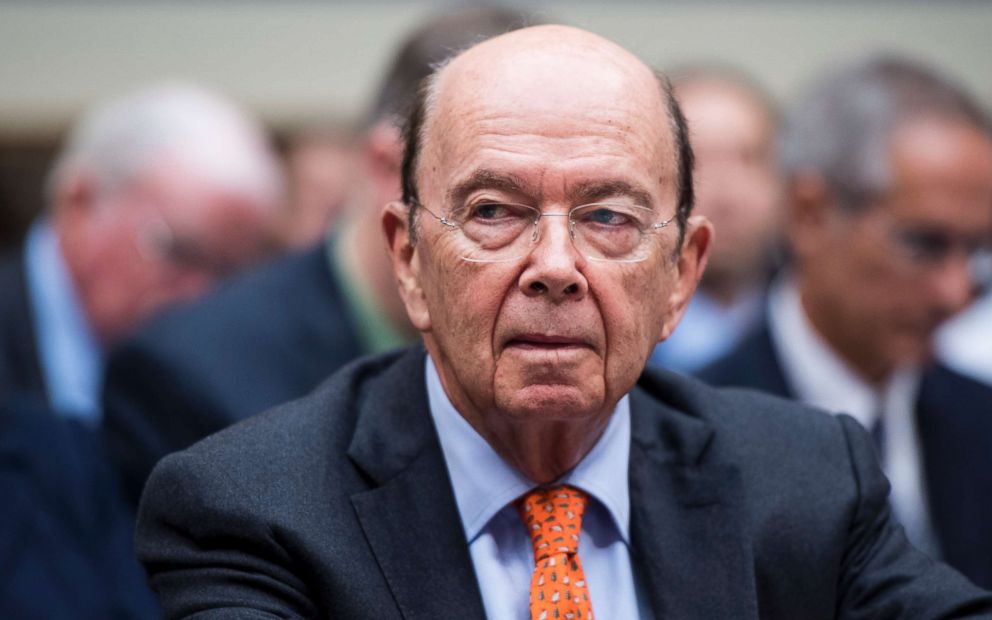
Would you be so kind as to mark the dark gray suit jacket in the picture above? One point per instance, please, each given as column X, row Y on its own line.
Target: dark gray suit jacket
column 264, row 338
column 339, row 505
column 954, row 422
column 20, row 367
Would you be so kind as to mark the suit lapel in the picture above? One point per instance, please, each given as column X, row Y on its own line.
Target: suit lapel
column 953, row 427
column 687, row 518
column 409, row 515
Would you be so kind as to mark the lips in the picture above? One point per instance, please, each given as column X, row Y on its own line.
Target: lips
column 546, row 341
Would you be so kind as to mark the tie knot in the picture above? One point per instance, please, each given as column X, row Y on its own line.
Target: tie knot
column 553, row 517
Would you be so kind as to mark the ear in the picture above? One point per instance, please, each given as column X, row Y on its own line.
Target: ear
column 689, row 269
column 75, row 197
column 384, row 152
column 808, row 213
column 406, row 263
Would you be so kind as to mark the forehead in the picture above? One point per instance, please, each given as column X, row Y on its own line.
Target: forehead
column 719, row 112
column 549, row 116
column 942, row 169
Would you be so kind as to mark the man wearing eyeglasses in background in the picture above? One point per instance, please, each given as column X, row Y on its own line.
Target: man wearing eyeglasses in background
column 156, row 196
column 889, row 170
column 523, row 466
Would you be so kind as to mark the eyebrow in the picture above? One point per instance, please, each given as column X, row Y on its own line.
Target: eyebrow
column 595, row 191
column 582, row 193
column 485, row 178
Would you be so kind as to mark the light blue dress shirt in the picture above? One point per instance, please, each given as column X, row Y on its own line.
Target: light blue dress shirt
column 71, row 361
column 485, row 488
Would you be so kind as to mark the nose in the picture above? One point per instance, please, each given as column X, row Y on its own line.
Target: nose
column 554, row 266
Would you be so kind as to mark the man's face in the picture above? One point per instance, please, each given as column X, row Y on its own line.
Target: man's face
column 882, row 282
column 736, row 185
column 162, row 239
column 552, row 335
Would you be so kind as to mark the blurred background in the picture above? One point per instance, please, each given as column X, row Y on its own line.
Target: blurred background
column 308, row 68
column 163, row 194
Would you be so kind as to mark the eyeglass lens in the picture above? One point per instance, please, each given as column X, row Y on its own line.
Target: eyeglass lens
column 600, row 231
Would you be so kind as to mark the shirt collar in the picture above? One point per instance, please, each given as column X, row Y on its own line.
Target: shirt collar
column 71, row 359
column 484, row 483
column 819, row 376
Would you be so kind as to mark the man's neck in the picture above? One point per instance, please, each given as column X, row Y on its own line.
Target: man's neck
column 542, row 450
column 871, row 369
column 366, row 262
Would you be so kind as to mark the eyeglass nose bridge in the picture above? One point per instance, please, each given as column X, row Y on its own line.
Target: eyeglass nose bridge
column 536, row 233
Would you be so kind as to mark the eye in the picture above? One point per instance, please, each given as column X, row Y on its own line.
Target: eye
column 496, row 213
column 490, row 211
column 604, row 216
column 925, row 245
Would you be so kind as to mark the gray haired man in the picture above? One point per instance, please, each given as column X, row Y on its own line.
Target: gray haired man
column 889, row 172
column 155, row 196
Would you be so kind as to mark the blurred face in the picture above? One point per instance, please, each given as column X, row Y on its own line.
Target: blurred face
column 163, row 239
column 322, row 173
column 880, row 283
column 736, row 185
column 551, row 335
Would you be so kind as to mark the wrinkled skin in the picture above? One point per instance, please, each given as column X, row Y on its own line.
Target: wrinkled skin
column 536, row 352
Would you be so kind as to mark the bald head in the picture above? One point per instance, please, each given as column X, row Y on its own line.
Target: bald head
column 541, row 74
column 568, row 68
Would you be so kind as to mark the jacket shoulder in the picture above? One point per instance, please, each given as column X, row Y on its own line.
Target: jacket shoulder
column 748, row 413
column 261, row 303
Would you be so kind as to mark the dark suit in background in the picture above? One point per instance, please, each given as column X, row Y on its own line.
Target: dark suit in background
column 266, row 338
column 66, row 546
column 20, row 368
column 339, row 505
column 954, row 423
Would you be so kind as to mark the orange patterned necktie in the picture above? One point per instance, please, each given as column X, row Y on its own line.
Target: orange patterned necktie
column 553, row 517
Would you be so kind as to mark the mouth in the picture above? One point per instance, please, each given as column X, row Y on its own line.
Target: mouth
column 545, row 342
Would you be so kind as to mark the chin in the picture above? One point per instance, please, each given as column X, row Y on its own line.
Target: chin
column 550, row 402
column 912, row 352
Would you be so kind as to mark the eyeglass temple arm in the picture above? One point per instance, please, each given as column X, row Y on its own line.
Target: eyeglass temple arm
column 660, row 225
column 443, row 220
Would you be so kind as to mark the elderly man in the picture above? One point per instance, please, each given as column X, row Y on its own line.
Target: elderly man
column 733, row 127
column 155, row 196
column 519, row 469
column 889, row 171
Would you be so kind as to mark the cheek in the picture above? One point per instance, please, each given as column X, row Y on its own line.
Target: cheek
column 464, row 300
column 634, row 309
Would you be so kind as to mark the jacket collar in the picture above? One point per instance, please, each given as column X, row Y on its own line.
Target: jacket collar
column 409, row 515
column 688, row 523
column 686, row 506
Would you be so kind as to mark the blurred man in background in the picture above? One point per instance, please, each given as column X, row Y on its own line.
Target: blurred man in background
column 154, row 198
column 889, row 182
column 732, row 126
column 275, row 334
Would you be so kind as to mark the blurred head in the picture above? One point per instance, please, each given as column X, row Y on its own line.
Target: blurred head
column 889, row 169
column 158, row 195
column 732, row 127
column 551, row 118
column 418, row 54
column 320, row 166
column 381, row 148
